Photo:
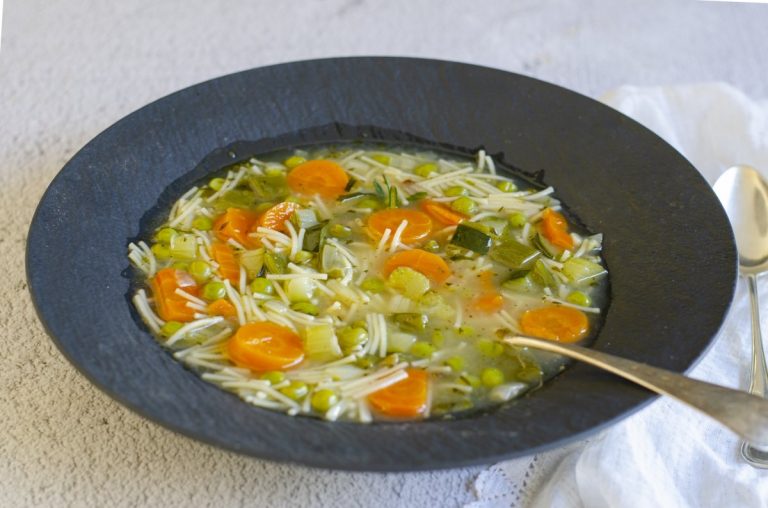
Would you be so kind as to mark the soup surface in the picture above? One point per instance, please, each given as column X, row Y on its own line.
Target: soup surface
column 362, row 284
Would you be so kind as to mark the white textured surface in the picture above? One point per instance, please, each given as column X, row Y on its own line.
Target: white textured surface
column 69, row 69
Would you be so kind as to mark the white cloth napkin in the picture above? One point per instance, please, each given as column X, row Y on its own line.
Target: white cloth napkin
column 667, row 455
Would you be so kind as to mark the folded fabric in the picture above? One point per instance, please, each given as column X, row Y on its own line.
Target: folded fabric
column 666, row 455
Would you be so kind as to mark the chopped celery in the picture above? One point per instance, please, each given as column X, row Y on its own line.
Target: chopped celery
column 268, row 187
column 235, row 198
column 411, row 321
column 304, row 218
column 373, row 285
column 300, row 289
column 542, row 276
column 515, row 255
column 253, row 262
column 334, row 263
column 314, row 236
column 275, row 263
column 409, row 282
column 399, row 342
column 581, row 271
column 520, row 283
column 579, row 298
column 183, row 247
column 320, row 343
column 422, row 349
column 472, row 238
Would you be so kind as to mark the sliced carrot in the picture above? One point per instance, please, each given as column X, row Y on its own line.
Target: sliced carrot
column 275, row 217
column 222, row 307
column 404, row 399
column 431, row 265
column 554, row 227
column 170, row 306
column 263, row 346
column 229, row 268
column 419, row 224
column 442, row 213
column 489, row 300
column 235, row 223
column 322, row 177
column 555, row 322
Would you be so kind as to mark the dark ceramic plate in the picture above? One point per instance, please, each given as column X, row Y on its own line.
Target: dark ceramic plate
column 668, row 245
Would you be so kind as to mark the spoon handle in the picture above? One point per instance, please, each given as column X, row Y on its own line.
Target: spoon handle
column 759, row 381
column 745, row 414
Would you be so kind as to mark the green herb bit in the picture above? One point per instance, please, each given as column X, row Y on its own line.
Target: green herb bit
column 471, row 238
column 411, row 321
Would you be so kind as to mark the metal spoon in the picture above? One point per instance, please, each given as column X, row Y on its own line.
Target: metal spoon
column 744, row 195
column 745, row 414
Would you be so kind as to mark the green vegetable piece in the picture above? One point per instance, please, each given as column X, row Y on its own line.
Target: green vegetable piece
column 542, row 276
column 456, row 363
column 235, row 198
column 515, row 255
column 520, row 283
column 490, row 348
column 202, row 223
column 438, row 338
column 470, row 379
column 180, row 265
column 216, row 183
column 517, row 220
column 161, row 252
column 529, row 374
column 366, row 362
column 274, row 171
column 262, row 285
column 275, row 263
column 183, row 247
column 471, row 238
column 409, row 282
column 546, row 247
column 464, row 205
column 274, row 377
column 304, row 218
column 373, row 285
column 353, row 196
column 422, row 349
column 314, row 236
column 506, row 186
column 268, row 187
column 306, row 308
column 399, row 342
column 417, row 196
column 214, row 291
column 200, row 270
column 456, row 191
column 165, row 235
column 491, row 376
column 411, row 321
column 340, row 231
column 579, row 298
column 371, row 203
column 169, row 328
column 297, row 390
column 302, row 257
column 465, row 331
column 252, row 261
column 322, row 400
column 292, row 162
column 582, row 271
column 382, row 159
column 425, row 169
column 352, row 337
column 320, row 342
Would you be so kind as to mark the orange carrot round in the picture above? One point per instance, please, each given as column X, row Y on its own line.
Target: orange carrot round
column 442, row 213
column 322, row 177
column 404, row 399
column 170, row 306
column 223, row 308
column 229, row 268
column 263, row 346
column 431, row 265
column 489, row 300
column 235, row 223
column 275, row 217
column 555, row 322
column 554, row 227
column 419, row 224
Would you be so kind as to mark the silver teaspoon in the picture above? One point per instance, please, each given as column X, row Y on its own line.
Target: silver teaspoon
column 744, row 195
column 745, row 414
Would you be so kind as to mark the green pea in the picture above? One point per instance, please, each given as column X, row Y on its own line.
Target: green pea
column 506, row 186
column 456, row 190
column 465, row 331
column 490, row 348
column 296, row 390
column 438, row 338
column 425, row 170
column 292, row 162
column 200, row 270
column 383, row 159
column 412, row 321
column 373, row 285
column 517, row 220
column 262, row 285
column 464, row 205
column 351, row 337
column 306, row 308
column 274, row 377
column 456, row 363
column 202, row 223
column 491, row 376
column 579, row 298
column 340, row 231
column 216, row 183
column 422, row 349
column 322, row 400
column 165, row 235
column 302, row 257
column 370, row 203
column 161, row 252
column 169, row 328
column 214, row 291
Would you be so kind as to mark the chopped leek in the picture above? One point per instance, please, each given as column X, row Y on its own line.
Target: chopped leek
column 183, row 247
column 581, row 271
column 304, row 218
column 253, row 262
column 515, row 255
column 320, row 343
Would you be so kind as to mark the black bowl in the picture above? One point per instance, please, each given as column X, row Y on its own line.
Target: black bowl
column 668, row 245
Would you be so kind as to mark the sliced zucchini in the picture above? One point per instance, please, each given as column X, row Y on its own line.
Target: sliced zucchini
column 515, row 255
column 472, row 238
